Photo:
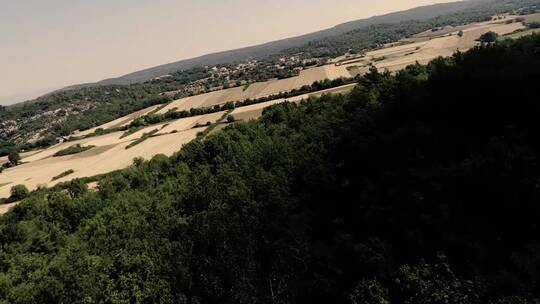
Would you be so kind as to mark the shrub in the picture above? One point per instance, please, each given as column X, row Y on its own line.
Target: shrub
column 230, row 119
column 72, row 150
column 19, row 192
column 14, row 158
column 489, row 37
column 77, row 188
column 63, row 174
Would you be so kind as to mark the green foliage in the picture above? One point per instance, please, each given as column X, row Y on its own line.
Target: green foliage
column 63, row 174
column 230, row 119
column 77, row 188
column 19, row 192
column 346, row 198
column 153, row 119
column 489, row 37
column 14, row 158
column 370, row 291
column 6, row 148
column 435, row 284
column 73, row 150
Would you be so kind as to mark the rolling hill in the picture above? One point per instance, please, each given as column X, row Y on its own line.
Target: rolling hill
column 276, row 47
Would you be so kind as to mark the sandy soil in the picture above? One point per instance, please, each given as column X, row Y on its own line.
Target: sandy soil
column 108, row 155
column 533, row 18
column 190, row 122
column 122, row 121
column 521, row 34
column 23, row 155
column 423, row 51
column 255, row 111
column 5, row 208
column 258, row 90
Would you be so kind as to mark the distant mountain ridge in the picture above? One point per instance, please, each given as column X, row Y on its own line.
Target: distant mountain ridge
column 275, row 47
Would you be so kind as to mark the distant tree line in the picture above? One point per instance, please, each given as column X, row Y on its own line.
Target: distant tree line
column 152, row 119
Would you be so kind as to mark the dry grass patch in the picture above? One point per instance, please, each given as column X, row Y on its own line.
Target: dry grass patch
column 144, row 137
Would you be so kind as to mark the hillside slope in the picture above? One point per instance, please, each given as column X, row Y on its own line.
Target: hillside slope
column 275, row 47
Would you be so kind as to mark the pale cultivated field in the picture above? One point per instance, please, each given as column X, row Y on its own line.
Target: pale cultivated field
column 255, row 111
column 23, row 155
column 338, row 90
column 423, row 50
column 533, row 18
column 190, row 123
column 5, row 208
column 122, row 121
column 108, row 155
column 258, row 90
column 521, row 34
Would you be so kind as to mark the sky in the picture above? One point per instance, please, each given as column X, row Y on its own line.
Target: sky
column 49, row 44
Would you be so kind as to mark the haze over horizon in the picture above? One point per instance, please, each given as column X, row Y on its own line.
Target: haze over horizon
column 47, row 45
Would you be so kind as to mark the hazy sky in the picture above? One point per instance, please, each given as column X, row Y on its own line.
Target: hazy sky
column 48, row 44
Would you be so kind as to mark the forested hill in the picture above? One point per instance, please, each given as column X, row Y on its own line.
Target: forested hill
column 421, row 187
column 461, row 12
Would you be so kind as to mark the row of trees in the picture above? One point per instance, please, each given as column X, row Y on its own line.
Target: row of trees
column 152, row 119
column 14, row 159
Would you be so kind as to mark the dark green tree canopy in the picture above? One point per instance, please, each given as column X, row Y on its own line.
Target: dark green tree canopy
column 19, row 192
column 489, row 37
column 14, row 158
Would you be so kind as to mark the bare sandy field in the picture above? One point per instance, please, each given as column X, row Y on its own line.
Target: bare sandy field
column 533, row 18
column 338, row 90
column 255, row 111
column 5, row 208
column 423, row 51
column 258, row 90
column 191, row 122
column 110, row 154
column 23, row 155
column 521, row 34
column 122, row 121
